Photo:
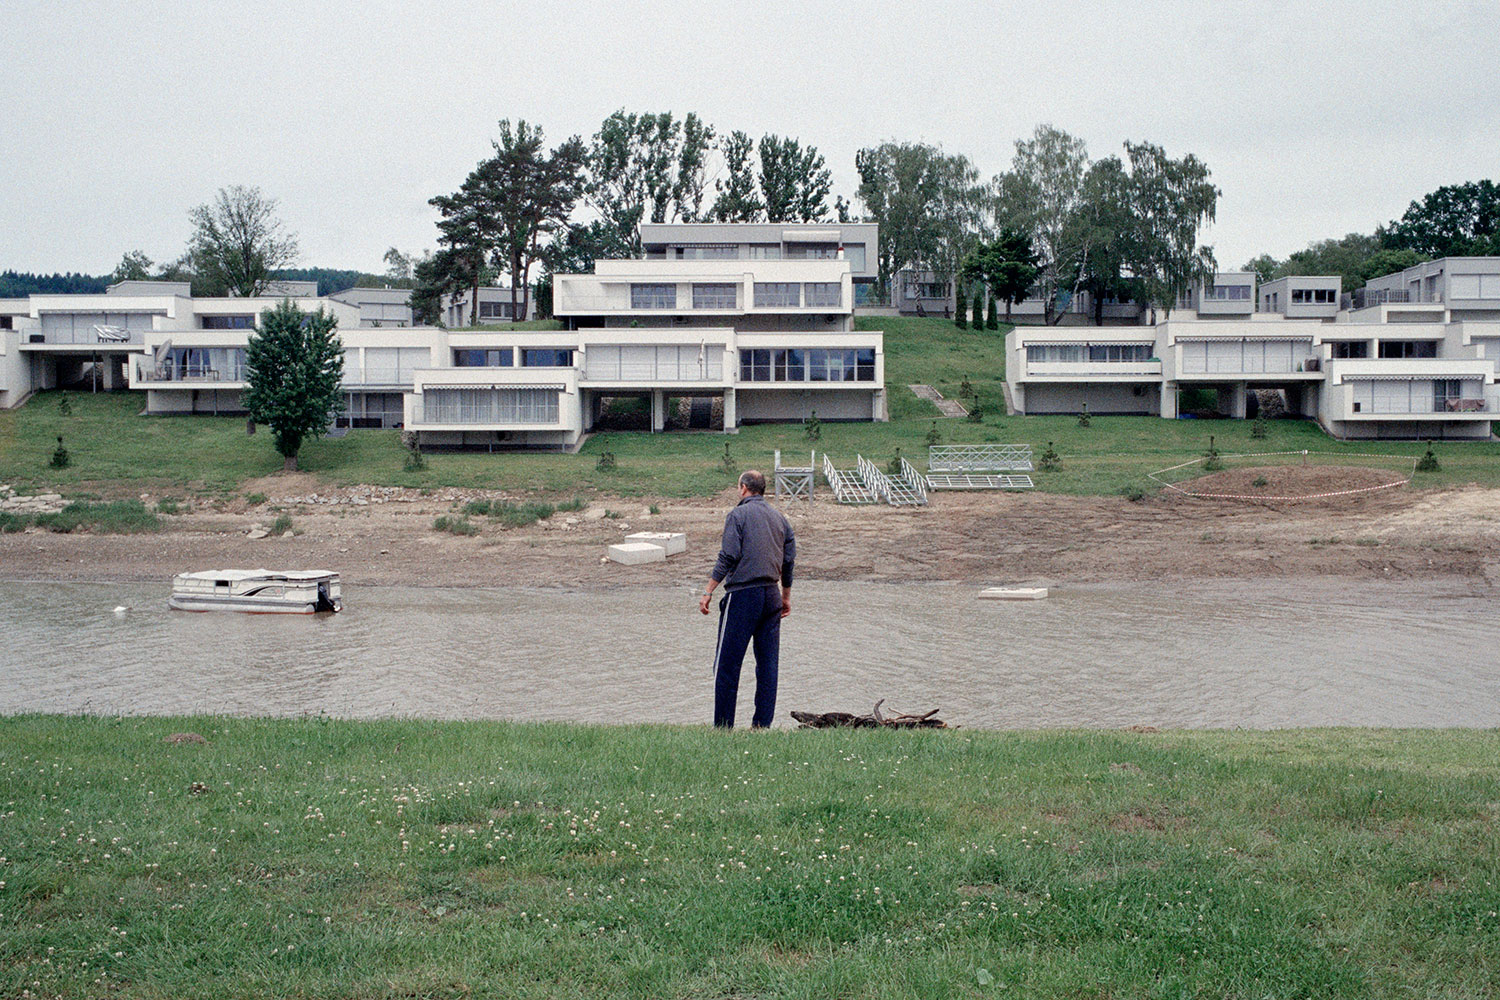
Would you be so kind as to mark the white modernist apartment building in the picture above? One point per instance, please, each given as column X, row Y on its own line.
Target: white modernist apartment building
column 768, row 339
column 1411, row 355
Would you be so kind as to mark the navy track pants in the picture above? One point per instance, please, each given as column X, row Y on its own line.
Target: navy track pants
column 745, row 616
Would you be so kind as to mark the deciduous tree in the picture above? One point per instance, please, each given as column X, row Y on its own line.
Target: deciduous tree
column 794, row 182
column 1041, row 195
column 929, row 206
column 1170, row 200
column 736, row 193
column 1456, row 220
column 647, row 166
column 238, row 242
column 294, row 364
column 134, row 266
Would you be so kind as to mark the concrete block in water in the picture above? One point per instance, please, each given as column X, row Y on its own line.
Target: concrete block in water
column 672, row 542
column 635, row 553
column 1013, row 593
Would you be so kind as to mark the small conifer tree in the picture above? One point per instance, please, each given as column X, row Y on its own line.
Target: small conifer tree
column 979, row 309
column 1427, row 463
column 992, row 318
column 961, row 313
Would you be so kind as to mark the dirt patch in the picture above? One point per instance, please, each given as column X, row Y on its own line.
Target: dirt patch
column 980, row 539
column 1303, row 483
column 1127, row 767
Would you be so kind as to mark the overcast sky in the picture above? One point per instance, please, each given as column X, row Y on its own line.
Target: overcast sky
column 1316, row 119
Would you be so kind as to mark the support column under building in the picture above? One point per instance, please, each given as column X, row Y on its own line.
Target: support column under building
column 1237, row 400
column 1169, row 400
column 658, row 411
column 729, row 415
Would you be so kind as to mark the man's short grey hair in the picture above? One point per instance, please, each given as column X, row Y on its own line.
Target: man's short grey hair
column 754, row 481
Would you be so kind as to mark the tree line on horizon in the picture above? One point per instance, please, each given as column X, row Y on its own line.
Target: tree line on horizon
column 1055, row 224
column 1456, row 220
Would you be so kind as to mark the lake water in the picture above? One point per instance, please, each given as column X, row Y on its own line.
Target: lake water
column 1237, row 653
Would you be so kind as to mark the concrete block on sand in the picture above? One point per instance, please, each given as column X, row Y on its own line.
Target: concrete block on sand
column 1013, row 593
column 672, row 541
column 635, row 553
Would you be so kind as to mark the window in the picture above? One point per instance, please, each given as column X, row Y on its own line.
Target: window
column 811, row 251
column 932, row 289
column 1350, row 349
column 1305, row 296
column 822, row 293
column 1444, row 389
column 778, row 293
column 546, row 357
column 808, row 365
column 1120, row 352
column 228, row 322
column 1227, row 293
column 653, row 296
column 715, row 296
column 1408, row 348
column 494, row 310
column 764, row 251
column 755, row 366
column 855, row 255
column 475, row 358
column 490, row 406
column 790, row 366
column 1048, row 353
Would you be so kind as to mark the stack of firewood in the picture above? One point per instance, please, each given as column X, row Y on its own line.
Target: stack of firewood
column 846, row 720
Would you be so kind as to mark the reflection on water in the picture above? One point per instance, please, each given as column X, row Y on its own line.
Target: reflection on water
column 1221, row 654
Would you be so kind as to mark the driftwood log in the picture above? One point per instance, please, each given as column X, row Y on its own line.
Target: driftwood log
column 847, row 720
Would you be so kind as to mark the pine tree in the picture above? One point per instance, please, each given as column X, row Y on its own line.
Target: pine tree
column 960, row 313
column 979, row 309
column 992, row 320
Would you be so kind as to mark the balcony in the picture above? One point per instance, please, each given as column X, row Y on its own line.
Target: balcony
column 1093, row 369
column 379, row 376
column 98, row 335
column 150, row 374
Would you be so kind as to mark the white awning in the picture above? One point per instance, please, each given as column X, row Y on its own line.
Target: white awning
column 557, row 386
column 1424, row 377
column 1198, row 337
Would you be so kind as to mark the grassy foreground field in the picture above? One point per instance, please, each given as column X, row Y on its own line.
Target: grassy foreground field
column 320, row 858
column 115, row 452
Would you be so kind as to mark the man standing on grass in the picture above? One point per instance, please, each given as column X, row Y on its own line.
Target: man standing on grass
column 755, row 566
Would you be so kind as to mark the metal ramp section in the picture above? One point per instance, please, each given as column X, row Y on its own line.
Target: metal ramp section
column 914, row 481
column 847, row 485
column 794, row 481
column 977, row 481
column 894, row 490
column 966, row 458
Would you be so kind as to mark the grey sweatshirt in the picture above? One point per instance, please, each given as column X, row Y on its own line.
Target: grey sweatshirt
column 758, row 547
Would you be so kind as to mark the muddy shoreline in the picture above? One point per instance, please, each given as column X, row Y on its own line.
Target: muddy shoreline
column 382, row 536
